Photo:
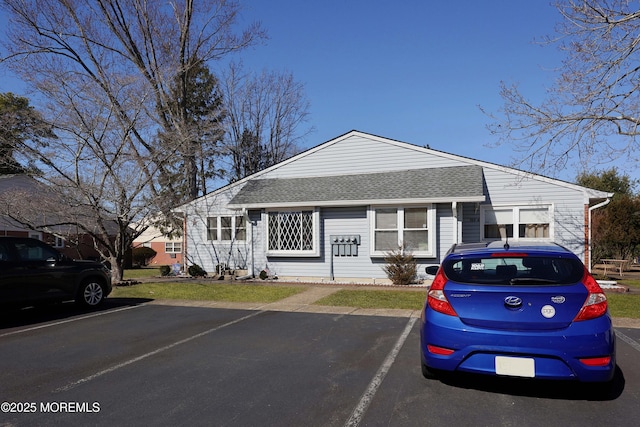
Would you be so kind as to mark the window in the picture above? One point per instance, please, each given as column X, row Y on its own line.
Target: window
column 498, row 224
column 408, row 226
column 58, row 242
column 226, row 228
column 173, row 247
column 530, row 222
column 292, row 232
column 534, row 223
column 212, row 228
column 34, row 251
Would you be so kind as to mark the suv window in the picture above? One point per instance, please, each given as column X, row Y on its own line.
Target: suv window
column 32, row 251
column 514, row 270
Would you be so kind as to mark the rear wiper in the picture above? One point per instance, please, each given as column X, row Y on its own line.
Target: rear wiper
column 531, row 281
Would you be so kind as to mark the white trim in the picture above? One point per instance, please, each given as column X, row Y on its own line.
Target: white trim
column 515, row 217
column 219, row 217
column 431, row 228
column 315, row 250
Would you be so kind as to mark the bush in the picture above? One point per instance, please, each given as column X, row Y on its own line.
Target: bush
column 142, row 255
column 263, row 275
column 165, row 270
column 196, row 271
column 401, row 267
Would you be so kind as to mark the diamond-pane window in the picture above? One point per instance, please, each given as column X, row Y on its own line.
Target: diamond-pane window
column 290, row 231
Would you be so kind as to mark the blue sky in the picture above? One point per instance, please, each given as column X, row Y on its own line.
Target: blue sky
column 412, row 70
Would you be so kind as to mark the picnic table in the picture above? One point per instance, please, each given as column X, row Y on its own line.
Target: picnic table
column 620, row 264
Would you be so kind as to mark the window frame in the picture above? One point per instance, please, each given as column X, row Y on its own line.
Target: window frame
column 231, row 230
column 400, row 224
column 315, row 225
column 173, row 247
column 516, row 223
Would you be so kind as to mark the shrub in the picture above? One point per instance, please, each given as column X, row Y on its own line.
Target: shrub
column 142, row 255
column 196, row 271
column 263, row 275
column 165, row 270
column 401, row 267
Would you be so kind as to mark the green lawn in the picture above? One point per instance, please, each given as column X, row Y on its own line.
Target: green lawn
column 138, row 273
column 620, row 305
column 362, row 298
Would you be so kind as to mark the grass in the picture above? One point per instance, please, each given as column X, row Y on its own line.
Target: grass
column 197, row 291
column 361, row 298
column 138, row 273
column 620, row 305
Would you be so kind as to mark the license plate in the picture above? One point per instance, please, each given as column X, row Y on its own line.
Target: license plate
column 515, row 366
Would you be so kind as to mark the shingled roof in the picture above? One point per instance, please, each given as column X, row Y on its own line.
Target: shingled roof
column 430, row 185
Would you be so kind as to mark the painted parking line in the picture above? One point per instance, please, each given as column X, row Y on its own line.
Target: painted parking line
column 370, row 392
column 74, row 319
column 633, row 343
column 153, row 353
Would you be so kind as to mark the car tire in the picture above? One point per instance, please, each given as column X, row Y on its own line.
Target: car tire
column 90, row 293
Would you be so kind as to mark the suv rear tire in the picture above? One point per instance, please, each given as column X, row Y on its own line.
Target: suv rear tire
column 90, row 293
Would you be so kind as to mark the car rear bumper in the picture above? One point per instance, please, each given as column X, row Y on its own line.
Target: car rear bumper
column 545, row 354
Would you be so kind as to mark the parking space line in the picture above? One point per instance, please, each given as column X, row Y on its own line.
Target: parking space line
column 62, row 322
column 370, row 392
column 633, row 343
column 153, row 353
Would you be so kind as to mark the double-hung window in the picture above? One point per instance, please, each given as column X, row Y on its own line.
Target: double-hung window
column 173, row 247
column 292, row 232
column 410, row 227
column 226, row 228
column 517, row 222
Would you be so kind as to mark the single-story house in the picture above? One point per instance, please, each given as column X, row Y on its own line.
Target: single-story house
column 334, row 211
column 168, row 249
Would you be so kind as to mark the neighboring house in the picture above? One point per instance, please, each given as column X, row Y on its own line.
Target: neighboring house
column 19, row 187
column 168, row 250
column 334, row 211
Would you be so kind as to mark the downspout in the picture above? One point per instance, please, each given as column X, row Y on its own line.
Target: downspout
column 184, row 241
column 591, row 209
column 245, row 214
column 456, row 230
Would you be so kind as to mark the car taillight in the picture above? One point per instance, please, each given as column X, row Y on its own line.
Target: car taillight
column 436, row 299
column 442, row 351
column 596, row 361
column 596, row 303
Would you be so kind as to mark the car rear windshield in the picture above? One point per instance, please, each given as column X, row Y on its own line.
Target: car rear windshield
column 518, row 270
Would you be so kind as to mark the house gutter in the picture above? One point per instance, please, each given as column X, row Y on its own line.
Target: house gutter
column 591, row 209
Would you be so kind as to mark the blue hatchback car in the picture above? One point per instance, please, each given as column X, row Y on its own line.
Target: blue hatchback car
column 517, row 310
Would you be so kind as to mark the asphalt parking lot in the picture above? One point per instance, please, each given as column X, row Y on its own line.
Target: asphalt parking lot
column 168, row 364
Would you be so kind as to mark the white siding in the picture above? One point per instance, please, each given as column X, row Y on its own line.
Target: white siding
column 568, row 204
column 360, row 155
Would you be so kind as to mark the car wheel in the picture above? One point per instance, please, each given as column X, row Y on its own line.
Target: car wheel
column 428, row 372
column 91, row 293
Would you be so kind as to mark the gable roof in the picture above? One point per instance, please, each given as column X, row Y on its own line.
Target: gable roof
column 589, row 194
column 431, row 185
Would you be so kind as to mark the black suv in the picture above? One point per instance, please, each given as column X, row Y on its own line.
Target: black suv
column 32, row 271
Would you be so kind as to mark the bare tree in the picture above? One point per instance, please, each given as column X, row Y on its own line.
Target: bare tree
column 264, row 117
column 593, row 109
column 103, row 70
